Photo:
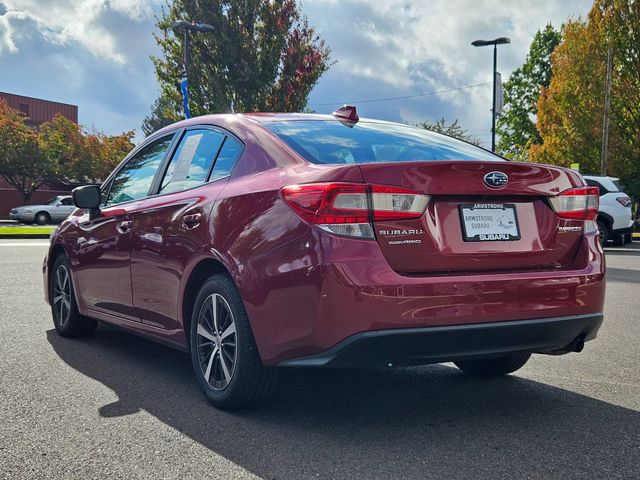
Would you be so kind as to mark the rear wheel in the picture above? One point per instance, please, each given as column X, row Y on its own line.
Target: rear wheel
column 604, row 232
column 493, row 367
column 628, row 238
column 42, row 218
column 223, row 350
column 618, row 239
column 66, row 319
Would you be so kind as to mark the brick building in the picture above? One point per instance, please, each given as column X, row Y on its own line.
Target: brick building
column 38, row 111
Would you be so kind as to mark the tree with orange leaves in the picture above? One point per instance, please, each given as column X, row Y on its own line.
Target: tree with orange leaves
column 570, row 110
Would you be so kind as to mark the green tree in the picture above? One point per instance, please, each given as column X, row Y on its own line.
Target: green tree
column 263, row 56
column 78, row 156
column 58, row 150
column 22, row 164
column 570, row 110
column 162, row 113
column 451, row 129
column 516, row 127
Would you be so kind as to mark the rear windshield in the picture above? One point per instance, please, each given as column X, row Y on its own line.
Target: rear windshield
column 321, row 141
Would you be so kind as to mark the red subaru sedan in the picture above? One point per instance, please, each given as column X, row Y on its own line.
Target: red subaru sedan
column 263, row 241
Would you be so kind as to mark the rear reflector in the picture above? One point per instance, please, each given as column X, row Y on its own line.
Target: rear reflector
column 349, row 209
column 577, row 203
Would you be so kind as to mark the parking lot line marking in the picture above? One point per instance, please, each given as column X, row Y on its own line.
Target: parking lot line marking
column 24, row 244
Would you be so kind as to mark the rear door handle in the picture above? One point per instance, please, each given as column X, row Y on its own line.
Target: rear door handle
column 124, row 226
column 191, row 220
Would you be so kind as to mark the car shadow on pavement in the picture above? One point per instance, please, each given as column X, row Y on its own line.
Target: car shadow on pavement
column 385, row 423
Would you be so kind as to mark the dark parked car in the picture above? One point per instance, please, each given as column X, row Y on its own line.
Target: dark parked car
column 263, row 241
column 55, row 210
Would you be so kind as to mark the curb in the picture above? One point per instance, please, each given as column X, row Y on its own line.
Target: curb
column 23, row 235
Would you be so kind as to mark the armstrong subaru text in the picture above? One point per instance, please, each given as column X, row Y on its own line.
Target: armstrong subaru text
column 263, row 241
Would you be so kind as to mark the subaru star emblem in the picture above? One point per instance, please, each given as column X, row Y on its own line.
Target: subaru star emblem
column 496, row 179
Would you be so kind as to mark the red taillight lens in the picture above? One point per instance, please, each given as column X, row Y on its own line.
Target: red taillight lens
column 578, row 203
column 624, row 201
column 348, row 208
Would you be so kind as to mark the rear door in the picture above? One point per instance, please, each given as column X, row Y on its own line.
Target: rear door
column 103, row 248
column 171, row 227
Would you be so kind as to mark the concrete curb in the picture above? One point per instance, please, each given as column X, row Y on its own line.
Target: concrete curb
column 23, row 235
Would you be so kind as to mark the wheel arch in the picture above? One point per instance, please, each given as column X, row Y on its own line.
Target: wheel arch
column 606, row 219
column 202, row 270
column 56, row 250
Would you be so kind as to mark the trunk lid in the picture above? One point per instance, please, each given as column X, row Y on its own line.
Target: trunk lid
column 449, row 237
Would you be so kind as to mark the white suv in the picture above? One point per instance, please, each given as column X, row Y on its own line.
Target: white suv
column 614, row 215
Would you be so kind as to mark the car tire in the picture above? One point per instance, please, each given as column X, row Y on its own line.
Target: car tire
column 42, row 218
column 604, row 233
column 493, row 367
column 628, row 238
column 64, row 310
column 618, row 239
column 225, row 358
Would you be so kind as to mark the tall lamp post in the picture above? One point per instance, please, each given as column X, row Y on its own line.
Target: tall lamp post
column 187, row 27
column 495, row 43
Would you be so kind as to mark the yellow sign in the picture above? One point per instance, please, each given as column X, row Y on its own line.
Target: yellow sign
column 575, row 166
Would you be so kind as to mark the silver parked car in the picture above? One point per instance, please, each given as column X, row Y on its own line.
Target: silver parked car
column 55, row 210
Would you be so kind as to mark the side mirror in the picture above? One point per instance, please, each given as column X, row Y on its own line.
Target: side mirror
column 87, row 197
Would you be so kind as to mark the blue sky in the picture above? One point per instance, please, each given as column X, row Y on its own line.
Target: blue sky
column 95, row 54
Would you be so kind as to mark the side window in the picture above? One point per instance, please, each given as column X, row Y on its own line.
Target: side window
column 229, row 154
column 104, row 191
column 67, row 202
column 192, row 160
column 133, row 180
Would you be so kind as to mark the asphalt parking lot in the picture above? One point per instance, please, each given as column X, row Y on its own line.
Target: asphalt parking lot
column 117, row 406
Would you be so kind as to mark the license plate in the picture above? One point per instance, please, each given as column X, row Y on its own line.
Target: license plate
column 487, row 222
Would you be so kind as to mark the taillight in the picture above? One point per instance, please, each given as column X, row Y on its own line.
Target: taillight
column 349, row 208
column 624, row 201
column 577, row 203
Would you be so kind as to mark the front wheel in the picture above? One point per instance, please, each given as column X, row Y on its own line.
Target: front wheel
column 493, row 367
column 42, row 218
column 223, row 350
column 64, row 310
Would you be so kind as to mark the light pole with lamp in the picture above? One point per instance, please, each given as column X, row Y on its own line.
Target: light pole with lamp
column 184, row 82
column 495, row 43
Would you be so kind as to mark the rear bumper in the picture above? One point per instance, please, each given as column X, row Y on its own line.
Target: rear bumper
column 416, row 346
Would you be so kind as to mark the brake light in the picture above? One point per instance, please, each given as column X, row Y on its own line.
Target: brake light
column 349, row 208
column 577, row 203
column 624, row 201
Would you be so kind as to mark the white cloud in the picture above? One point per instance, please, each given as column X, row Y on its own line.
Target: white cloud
column 400, row 47
column 66, row 22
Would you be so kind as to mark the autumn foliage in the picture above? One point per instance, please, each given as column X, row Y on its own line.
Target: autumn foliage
column 262, row 56
column 570, row 110
column 57, row 150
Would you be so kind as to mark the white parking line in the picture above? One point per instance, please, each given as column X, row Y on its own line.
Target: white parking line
column 24, row 244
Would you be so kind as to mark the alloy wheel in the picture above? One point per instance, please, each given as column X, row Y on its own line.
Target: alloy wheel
column 216, row 341
column 62, row 295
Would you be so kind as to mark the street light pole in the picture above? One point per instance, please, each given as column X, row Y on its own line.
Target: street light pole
column 495, row 43
column 184, row 81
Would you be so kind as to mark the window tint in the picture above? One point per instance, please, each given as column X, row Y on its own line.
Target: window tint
column 368, row 142
column 67, row 201
column 133, row 181
column 229, row 154
column 192, row 160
